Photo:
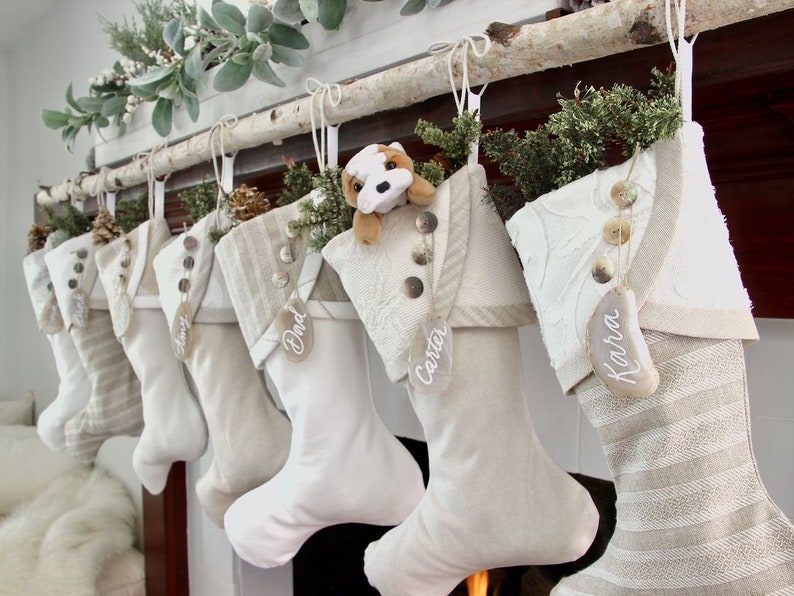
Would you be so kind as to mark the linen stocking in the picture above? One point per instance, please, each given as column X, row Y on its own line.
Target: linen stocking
column 249, row 435
column 73, row 387
column 693, row 516
column 114, row 407
column 495, row 497
column 174, row 427
column 343, row 464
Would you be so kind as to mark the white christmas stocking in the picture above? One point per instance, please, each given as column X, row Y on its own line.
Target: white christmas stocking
column 495, row 497
column 174, row 427
column 114, row 407
column 343, row 464
column 692, row 514
column 73, row 388
column 249, row 435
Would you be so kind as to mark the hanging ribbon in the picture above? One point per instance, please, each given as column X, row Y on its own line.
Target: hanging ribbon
column 104, row 195
column 682, row 54
column 326, row 149
column 467, row 99
column 156, row 187
column 224, row 174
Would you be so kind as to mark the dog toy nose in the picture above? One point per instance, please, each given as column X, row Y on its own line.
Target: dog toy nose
column 383, row 186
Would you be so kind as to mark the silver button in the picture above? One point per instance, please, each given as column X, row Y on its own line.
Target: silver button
column 603, row 269
column 413, row 287
column 280, row 279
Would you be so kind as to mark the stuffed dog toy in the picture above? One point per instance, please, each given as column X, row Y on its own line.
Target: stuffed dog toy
column 376, row 180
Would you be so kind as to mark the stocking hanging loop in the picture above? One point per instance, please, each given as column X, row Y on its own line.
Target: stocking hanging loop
column 682, row 54
column 461, row 49
column 326, row 149
column 224, row 175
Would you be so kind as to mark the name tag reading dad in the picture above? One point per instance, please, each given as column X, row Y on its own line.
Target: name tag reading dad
column 430, row 360
column 295, row 328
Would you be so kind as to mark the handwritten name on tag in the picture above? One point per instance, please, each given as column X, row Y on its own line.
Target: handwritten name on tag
column 617, row 348
column 182, row 331
column 78, row 309
column 295, row 328
column 51, row 321
column 430, row 359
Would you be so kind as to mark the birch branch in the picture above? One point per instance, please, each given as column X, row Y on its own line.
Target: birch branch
column 613, row 28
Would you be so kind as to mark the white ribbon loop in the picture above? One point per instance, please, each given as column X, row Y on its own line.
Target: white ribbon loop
column 224, row 175
column 682, row 54
column 460, row 50
column 326, row 149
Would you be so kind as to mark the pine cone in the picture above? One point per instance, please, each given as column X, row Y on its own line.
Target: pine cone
column 246, row 203
column 37, row 236
column 105, row 227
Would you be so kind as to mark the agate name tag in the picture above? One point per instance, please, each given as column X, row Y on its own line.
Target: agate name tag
column 51, row 321
column 182, row 331
column 295, row 330
column 430, row 360
column 617, row 348
column 121, row 313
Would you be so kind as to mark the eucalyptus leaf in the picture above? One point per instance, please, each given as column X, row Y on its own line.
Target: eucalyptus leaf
column 232, row 76
column 206, row 20
column 191, row 106
column 54, row 119
column 68, row 135
column 101, row 122
column 259, row 18
column 174, row 36
column 310, row 9
column 330, row 13
column 265, row 73
column 70, row 98
column 78, row 121
column 284, row 35
column 146, row 94
column 114, row 106
column 254, row 38
column 412, row 7
column 211, row 56
column 434, row 3
column 192, row 66
column 169, row 91
column 90, row 104
column 262, row 53
column 118, row 68
column 241, row 58
column 229, row 17
column 161, row 116
column 287, row 56
column 288, row 11
column 153, row 77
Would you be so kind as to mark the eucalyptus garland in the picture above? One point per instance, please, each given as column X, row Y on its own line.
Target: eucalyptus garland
column 164, row 58
column 577, row 140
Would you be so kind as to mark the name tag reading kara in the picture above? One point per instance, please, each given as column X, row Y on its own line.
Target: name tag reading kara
column 617, row 349
column 295, row 328
column 182, row 331
column 430, row 360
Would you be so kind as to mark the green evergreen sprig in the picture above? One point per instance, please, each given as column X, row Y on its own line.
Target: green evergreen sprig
column 576, row 140
column 199, row 200
column 328, row 218
column 454, row 146
column 71, row 221
column 297, row 184
column 130, row 213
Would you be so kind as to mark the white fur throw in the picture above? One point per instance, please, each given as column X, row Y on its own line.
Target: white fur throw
column 58, row 543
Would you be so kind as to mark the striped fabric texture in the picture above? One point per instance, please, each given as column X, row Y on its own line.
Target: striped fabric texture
column 693, row 516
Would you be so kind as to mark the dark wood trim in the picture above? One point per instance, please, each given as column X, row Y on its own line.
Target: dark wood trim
column 165, row 540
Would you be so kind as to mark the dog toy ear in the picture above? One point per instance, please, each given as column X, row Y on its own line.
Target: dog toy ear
column 366, row 227
column 350, row 189
column 398, row 146
column 421, row 192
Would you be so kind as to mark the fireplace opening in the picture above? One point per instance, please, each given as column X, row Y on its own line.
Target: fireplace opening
column 331, row 563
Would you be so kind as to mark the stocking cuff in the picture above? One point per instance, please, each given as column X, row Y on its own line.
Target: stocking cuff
column 61, row 263
column 37, row 278
column 680, row 262
column 476, row 276
column 207, row 294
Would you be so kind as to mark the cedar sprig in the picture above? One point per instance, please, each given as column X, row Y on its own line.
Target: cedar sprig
column 200, row 200
column 297, row 183
column 71, row 222
column 577, row 140
column 328, row 218
column 130, row 213
column 454, row 145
